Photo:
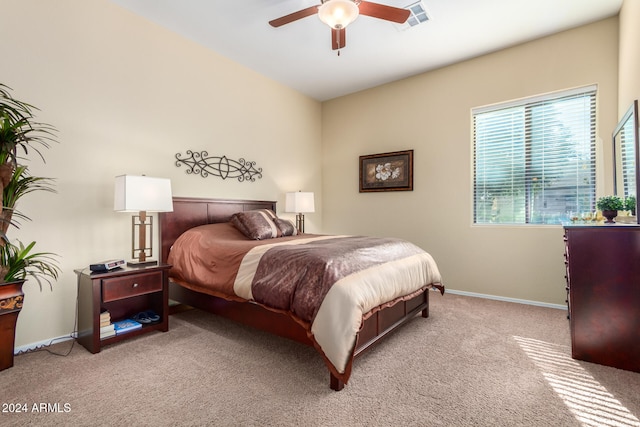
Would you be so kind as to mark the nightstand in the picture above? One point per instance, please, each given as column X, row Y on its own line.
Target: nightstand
column 123, row 292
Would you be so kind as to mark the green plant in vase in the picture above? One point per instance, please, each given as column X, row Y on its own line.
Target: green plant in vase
column 18, row 262
column 20, row 136
column 22, row 263
column 630, row 204
column 610, row 205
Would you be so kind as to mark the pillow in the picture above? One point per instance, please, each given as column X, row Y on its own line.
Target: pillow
column 286, row 227
column 257, row 224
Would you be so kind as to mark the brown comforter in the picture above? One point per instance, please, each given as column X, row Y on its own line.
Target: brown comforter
column 297, row 277
column 206, row 258
column 327, row 282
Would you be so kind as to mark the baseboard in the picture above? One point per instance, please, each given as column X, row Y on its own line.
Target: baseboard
column 46, row 343
column 499, row 298
column 41, row 344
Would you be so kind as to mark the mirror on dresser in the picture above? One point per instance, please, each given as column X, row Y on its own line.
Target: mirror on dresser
column 626, row 155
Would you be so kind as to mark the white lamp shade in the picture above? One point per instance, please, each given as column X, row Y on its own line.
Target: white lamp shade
column 338, row 13
column 299, row 202
column 142, row 193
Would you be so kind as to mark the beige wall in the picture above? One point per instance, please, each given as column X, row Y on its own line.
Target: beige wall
column 431, row 113
column 126, row 96
column 629, row 72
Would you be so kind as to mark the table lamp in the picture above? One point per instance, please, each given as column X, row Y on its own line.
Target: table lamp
column 142, row 194
column 299, row 202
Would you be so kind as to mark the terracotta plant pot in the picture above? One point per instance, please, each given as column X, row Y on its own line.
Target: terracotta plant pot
column 11, row 298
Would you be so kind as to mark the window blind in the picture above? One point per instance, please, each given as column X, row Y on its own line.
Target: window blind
column 534, row 160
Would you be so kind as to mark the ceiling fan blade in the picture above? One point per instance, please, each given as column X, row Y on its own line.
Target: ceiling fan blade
column 381, row 11
column 294, row 16
column 338, row 38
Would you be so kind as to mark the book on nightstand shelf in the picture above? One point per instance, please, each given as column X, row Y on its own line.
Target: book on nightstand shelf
column 105, row 318
column 107, row 331
column 127, row 325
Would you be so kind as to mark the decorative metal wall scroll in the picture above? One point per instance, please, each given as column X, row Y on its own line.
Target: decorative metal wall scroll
column 199, row 163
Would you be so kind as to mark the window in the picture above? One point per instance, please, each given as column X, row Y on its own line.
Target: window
column 534, row 160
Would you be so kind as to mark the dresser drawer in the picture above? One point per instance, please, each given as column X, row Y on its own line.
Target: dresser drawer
column 129, row 286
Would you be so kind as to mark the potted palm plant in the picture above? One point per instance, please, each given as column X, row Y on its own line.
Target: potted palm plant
column 20, row 136
column 610, row 205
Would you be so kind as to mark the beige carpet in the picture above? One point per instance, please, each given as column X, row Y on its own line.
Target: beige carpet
column 474, row 362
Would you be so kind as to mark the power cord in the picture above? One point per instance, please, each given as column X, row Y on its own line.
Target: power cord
column 45, row 347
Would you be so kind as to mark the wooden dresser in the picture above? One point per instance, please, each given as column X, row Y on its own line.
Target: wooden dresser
column 603, row 285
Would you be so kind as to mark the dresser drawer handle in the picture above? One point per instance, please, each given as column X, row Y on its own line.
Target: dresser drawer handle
column 135, row 285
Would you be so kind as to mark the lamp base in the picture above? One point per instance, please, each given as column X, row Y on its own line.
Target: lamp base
column 300, row 223
column 146, row 263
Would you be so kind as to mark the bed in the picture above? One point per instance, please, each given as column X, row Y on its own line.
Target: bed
column 340, row 331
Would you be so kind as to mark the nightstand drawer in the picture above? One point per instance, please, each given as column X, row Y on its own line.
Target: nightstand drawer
column 129, row 286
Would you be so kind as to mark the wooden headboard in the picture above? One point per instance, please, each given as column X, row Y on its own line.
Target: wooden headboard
column 190, row 212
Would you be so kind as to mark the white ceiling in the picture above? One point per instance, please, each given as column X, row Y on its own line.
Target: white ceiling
column 299, row 54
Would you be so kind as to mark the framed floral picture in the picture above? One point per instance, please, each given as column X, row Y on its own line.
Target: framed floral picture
column 387, row 172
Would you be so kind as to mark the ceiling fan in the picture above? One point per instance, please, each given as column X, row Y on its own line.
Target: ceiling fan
column 337, row 14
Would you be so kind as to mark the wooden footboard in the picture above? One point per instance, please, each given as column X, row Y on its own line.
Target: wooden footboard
column 382, row 322
column 376, row 325
column 191, row 212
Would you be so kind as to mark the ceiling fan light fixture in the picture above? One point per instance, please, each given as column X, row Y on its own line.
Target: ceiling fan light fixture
column 338, row 13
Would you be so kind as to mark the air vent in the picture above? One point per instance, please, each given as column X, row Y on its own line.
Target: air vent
column 418, row 15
